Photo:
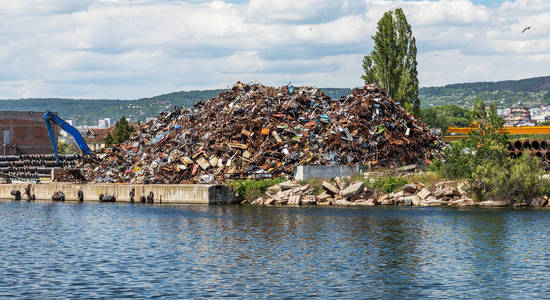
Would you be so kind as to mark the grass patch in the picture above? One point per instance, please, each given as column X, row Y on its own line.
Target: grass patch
column 385, row 184
column 252, row 189
column 315, row 184
column 428, row 178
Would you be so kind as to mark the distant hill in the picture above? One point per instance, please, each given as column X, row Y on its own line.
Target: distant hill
column 89, row 111
column 529, row 92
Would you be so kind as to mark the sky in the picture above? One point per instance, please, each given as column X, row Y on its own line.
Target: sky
column 129, row 49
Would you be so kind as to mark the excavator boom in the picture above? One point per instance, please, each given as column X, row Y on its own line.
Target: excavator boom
column 51, row 117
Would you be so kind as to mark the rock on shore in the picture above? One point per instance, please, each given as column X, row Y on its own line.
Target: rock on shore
column 448, row 193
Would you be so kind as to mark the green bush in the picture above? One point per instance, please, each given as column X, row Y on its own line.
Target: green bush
column 387, row 184
column 513, row 181
column 67, row 148
column 456, row 162
column 252, row 189
column 486, row 144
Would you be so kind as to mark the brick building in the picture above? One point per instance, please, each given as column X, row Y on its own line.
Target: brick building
column 24, row 132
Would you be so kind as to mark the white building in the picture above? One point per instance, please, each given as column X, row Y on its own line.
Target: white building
column 104, row 123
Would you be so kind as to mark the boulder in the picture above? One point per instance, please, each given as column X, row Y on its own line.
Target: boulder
column 431, row 201
column 269, row 201
column 410, row 188
column 309, row 201
column 273, row 190
column 370, row 202
column 465, row 201
column 364, row 202
column 323, row 196
column 407, row 169
column 339, row 183
column 383, row 197
column 397, row 194
column 283, row 201
column 423, row 194
column 330, row 188
column 288, row 185
column 406, row 201
column 295, row 200
column 539, row 201
column 416, row 200
column 387, row 201
column 258, row 201
column 443, row 184
column 354, row 189
column 461, row 187
column 325, row 203
column 446, row 192
column 491, row 203
column 343, row 202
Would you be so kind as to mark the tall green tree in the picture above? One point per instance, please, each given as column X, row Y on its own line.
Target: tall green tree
column 392, row 63
column 122, row 132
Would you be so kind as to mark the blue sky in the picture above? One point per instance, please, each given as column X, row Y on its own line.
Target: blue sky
column 138, row 48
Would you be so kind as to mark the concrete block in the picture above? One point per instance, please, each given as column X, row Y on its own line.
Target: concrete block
column 314, row 171
column 354, row 189
column 424, row 193
column 410, row 188
column 330, row 188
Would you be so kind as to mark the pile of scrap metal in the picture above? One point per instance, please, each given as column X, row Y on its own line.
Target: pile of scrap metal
column 260, row 131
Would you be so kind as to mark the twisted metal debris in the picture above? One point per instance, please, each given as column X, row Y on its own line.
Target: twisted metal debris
column 261, row 131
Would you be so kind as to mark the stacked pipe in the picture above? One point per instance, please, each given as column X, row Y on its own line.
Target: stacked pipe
column 34, row 166
column 538, row 148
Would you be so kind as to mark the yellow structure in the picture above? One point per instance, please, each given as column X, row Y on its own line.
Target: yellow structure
column 509, row 130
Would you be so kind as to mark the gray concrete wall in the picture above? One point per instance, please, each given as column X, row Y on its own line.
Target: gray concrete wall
column 163, row 193
column 313, row 171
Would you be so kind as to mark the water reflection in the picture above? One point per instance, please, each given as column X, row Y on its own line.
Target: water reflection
column 51, row 250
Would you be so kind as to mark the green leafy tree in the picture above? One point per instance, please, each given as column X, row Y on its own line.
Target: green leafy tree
column 488, row 137
column 109, row 139
column 392, row 63
column 67, row 148
column 486, row 142
column 444, row 116
column 122, row 132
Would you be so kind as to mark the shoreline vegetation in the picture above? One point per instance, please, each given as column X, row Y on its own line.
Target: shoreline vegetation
column 476, row 171
column 424, row 188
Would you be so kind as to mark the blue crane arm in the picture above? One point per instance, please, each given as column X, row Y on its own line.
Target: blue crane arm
column 51, row 117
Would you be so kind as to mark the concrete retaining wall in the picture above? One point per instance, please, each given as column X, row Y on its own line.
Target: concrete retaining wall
column 163, row 193
column 309, row 172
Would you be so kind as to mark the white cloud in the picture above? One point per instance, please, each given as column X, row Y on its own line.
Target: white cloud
column 137, row 48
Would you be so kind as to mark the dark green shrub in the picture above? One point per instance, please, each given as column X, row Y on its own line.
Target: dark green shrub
column 486, row 143
column 252, row 189
column 388, row 184
column 512, row 181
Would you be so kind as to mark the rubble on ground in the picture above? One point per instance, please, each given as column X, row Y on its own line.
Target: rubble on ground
column 252, row 130
column 356, row 194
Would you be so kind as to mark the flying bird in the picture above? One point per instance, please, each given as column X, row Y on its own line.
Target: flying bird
column 525, row 29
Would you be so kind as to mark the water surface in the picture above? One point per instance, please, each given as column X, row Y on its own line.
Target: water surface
column 52, row 250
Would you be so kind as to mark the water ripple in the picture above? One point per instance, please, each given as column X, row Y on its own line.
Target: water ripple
column 54, row 250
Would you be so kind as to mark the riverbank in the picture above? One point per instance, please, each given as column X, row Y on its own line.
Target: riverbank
column 371, row 192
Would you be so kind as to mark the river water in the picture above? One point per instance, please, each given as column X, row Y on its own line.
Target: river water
column 69, row 250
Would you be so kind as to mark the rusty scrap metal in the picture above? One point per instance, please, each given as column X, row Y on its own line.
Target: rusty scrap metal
column 266, row 131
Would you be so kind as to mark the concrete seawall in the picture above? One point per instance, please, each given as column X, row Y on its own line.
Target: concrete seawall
column 163, row 193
